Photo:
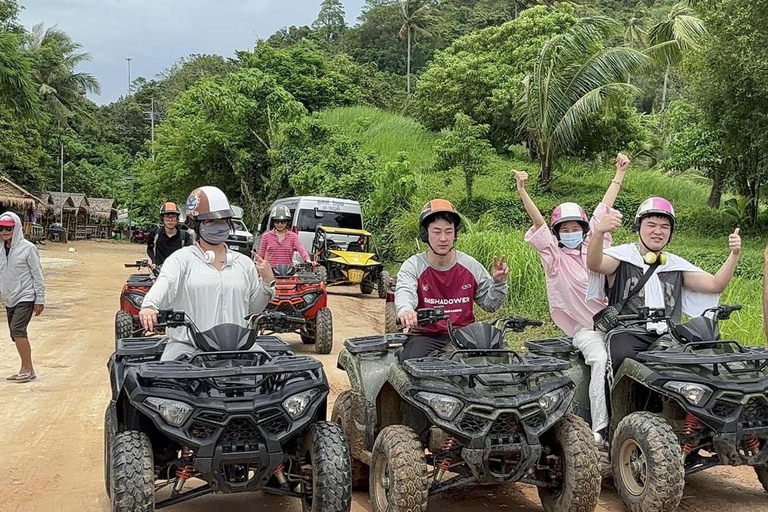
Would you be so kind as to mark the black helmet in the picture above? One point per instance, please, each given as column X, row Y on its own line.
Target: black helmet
column 281, row 212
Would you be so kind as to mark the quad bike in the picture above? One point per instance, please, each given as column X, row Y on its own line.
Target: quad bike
column 242, row 414
column 140, row 236
column 691, row 402
column 353, row 262
column 390, row 311
column 477, row 415
column 134, row 290
column 302, row 297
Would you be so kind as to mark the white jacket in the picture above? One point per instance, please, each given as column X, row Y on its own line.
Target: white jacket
column 208, row 296
column 21, row 275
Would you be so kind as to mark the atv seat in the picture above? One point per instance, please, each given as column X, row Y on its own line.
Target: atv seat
column 354, row 247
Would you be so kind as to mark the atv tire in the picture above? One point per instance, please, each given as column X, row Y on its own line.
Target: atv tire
column 762, row 475
column 580, row 487
column 342, row 416
column 108, row 441
column 322, row 273
column 123, row 325
column 326, row 448
column 132, row 476
column 390, row 318
column 323, row 331
column 366, row 287
column 647, row 464
column 383, row 284
column 398, row 478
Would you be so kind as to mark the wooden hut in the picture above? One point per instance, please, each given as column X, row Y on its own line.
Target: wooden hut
column 102, row 217
column 25, row 204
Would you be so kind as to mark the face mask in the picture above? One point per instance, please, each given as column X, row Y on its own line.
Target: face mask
column 572, row 240
column 215, row 234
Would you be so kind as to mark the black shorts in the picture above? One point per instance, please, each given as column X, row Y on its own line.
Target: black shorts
column 19, row 317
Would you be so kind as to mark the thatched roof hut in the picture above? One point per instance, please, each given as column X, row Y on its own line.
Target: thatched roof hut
column 55, row 199
column 12, row 196
column 102, row 208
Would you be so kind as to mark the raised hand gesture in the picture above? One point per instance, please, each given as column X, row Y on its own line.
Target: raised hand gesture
column 264, row 267
column 500, row 269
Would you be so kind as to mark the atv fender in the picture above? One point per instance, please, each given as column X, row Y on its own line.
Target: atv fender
column 631, row 377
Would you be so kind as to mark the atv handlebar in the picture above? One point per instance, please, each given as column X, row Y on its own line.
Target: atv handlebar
column 138, row 264
column 517, row 323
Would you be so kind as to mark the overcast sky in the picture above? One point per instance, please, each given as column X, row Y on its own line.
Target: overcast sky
column 156, row 33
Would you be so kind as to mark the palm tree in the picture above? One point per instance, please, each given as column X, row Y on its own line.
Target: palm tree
column 573, row 77
column 17, row 91
column 416, row 15
column 56, row 57
column 668, row 39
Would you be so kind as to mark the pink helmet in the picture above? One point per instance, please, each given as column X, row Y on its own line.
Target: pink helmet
column 569, row 212
column 655, row 206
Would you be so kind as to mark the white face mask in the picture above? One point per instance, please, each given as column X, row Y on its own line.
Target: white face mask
column 572, row 240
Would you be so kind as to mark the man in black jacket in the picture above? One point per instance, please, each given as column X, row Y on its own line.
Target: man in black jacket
column 168, row 238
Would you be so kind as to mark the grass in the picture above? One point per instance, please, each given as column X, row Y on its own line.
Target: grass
column 701, row 238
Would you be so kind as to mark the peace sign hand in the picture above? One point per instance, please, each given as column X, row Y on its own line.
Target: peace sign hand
column 500, row 269
column 263, row 267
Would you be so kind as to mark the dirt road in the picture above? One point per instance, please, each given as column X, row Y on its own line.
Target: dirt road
column 51, row 429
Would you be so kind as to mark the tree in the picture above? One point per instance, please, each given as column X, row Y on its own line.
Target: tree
column 17, row 91
column 481, row 74
column 464, row 148
column 330, row 23
column 574, row 77
column 55, row 56
column 417, row 16
column 668, row 39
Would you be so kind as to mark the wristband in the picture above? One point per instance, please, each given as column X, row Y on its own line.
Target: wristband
column 616, row 182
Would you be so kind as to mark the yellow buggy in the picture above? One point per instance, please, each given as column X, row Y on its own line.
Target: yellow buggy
column 348, row 256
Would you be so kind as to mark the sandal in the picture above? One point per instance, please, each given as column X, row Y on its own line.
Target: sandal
column 24, row 377
column 13, row 377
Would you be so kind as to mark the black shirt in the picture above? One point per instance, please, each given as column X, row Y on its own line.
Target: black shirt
column 160, row 245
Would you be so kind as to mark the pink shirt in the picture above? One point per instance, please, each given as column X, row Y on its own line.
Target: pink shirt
column 281, row 253
column 567, row 275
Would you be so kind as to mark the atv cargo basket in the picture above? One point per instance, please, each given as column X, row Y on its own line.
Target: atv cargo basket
column 375, row 343
column 690, row 354
column 448, row 367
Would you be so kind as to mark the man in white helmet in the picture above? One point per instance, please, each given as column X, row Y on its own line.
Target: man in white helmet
column 210, row 283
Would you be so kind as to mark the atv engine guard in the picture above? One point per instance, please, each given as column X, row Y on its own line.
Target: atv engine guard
column 259, row 462
column 488, row 464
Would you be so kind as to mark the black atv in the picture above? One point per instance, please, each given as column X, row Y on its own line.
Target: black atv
column 477, row 415
column 242, row 414
column 691, row 402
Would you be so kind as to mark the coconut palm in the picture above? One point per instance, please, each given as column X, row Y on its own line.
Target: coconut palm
column 416, row 15
column 17, row 91
column 668, row 39
column 573, row 77
column 56, row 57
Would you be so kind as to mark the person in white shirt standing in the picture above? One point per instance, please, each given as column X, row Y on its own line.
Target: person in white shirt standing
column 22, row 288
column 210, row 283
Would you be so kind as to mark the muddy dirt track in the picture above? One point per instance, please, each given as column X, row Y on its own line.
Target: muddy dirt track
column 51, row 429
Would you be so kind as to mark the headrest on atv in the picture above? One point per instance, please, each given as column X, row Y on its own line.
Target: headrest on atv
column 284, row 270
column 479, row 335
column 699, row 328
column 226, row 337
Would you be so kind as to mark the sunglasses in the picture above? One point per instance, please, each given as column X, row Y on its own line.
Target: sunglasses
column 7, row 228
column 281, row 222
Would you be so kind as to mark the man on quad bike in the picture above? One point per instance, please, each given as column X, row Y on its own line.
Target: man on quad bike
column 167, row 238
column 280, row 242
column 562, row 248
column 674, row 284
column 443, row 276
column 211, row 283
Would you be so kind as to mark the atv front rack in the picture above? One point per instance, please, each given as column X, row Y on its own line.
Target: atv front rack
column 381, row 343
column 183, row 370
column 141, row 347
column 448, row 367
column 689, row 356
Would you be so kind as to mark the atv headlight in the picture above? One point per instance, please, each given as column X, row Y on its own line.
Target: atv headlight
column 134, row 298
column 309, row 298
column 173, row 412
column 444, row 406
column 696, row 394
column 550, row 401
column 297, row 404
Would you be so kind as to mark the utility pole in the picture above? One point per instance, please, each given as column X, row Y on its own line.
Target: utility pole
column 130, row 196
column 61, row 160
column 151, row 116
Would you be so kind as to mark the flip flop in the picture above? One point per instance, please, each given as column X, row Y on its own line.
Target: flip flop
column 13, row 377
column 25, row 377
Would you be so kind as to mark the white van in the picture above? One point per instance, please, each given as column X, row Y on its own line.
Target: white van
column 308, row 212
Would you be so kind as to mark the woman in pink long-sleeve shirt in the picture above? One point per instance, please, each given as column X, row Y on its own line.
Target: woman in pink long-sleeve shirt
column 563, row 252
column 279, row 242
